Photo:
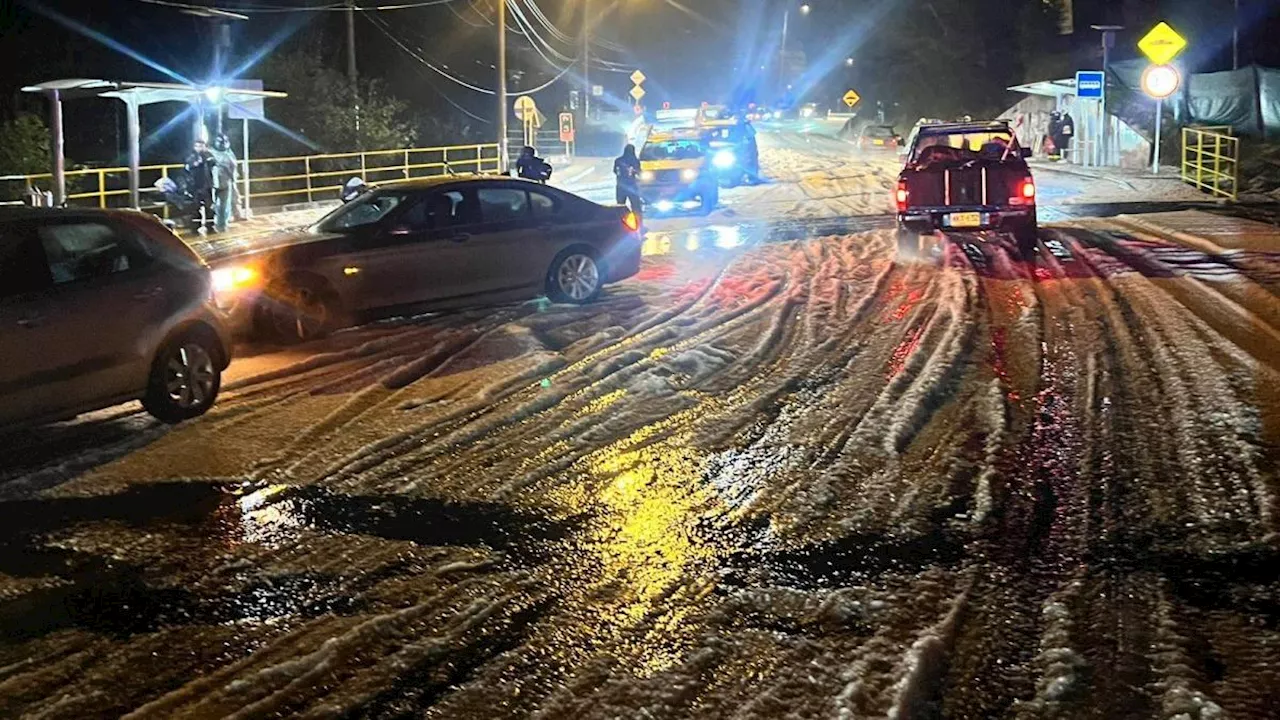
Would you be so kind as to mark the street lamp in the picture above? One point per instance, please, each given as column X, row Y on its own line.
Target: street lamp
column 848, row 62
column 782, row 53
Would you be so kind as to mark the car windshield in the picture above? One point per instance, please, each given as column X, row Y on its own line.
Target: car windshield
column 878, row 131
column 964, row 146
column 365, row 210
column 673, row 150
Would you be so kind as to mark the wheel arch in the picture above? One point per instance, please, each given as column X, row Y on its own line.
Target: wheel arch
column 222, row 353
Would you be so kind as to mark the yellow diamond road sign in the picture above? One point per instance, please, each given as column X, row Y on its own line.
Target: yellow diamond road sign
column 638, row 77
column 1162, row 44
column 851, row 98
column 637, row 92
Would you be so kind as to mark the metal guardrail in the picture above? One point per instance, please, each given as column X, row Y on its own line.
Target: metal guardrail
column 272, row 181
column 1211, row 160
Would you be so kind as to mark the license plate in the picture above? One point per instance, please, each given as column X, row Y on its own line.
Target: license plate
column 965, row 219
column 878, row 142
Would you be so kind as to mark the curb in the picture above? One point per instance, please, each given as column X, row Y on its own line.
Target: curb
column 1082, row 174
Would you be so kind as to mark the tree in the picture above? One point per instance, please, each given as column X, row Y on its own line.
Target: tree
column 322, row 107
column 24, row 146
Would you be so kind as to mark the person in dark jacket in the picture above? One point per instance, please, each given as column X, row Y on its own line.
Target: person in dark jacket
column 200, row 166
column 531, row 167
column 627, row 170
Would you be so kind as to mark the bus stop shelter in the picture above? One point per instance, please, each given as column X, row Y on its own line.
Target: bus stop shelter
column 134, row 95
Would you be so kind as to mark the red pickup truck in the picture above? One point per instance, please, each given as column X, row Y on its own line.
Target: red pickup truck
column 966, row 177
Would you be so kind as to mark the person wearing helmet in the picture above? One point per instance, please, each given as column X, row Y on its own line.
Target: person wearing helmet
column 224, row 182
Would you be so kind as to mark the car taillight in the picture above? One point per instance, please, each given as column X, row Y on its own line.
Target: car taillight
column 1029, row 189
column 902, row 195
column 631, row 221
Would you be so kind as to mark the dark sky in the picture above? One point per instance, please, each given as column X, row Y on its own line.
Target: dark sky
column 692, row 50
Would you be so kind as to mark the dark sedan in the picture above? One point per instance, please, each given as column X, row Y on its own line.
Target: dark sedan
column 430, row 244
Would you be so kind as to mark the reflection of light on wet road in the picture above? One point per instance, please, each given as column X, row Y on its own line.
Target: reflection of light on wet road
column 719, row 237
column 267, row 523
column 639, row 565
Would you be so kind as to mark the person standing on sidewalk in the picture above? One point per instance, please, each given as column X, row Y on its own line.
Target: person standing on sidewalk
column 200, row 171
column 224, row 182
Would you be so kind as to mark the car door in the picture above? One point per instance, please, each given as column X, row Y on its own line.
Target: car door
column 92, row 327
column 416, row 256
column 25, row 387
column 505, row 252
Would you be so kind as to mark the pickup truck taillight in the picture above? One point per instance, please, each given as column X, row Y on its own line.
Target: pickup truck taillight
column 902, row 195
column 631, row 221
column 1025, row 194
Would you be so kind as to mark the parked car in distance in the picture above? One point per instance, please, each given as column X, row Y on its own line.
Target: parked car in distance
column 99, row 307
column 427, row 244
column 879, row 137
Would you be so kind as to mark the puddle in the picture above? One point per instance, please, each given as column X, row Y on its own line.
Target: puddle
column 852, row 560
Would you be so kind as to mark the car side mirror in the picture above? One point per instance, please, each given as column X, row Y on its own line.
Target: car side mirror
column 1025, row 152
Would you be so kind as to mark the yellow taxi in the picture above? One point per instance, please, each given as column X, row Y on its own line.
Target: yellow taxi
column 677, row 172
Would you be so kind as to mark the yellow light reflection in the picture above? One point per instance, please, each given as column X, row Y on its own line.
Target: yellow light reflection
column 649, row 546
column 656, row 244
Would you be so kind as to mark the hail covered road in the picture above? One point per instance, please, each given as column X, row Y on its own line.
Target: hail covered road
column 786, row 471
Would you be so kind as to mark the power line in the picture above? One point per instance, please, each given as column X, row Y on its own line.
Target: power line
column 382, row 26
column 331, row 7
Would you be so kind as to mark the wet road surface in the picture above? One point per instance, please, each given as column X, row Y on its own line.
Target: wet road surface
column 787, row 471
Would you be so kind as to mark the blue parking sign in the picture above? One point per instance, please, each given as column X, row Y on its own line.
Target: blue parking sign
column 1090, row 84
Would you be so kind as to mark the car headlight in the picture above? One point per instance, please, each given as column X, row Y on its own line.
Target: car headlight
column 229, row 279
column 646, row 176
column 725, row 159
column 689, row 175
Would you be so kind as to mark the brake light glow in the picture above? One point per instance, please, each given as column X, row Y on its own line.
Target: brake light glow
column 902, row 195
column 1028, row 189
column 631, row 221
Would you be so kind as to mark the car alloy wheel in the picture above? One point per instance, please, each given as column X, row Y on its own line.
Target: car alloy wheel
column 302, row 316
column 190, row 379
column 578, row 277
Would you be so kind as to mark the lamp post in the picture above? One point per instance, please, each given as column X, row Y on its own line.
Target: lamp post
column 586, row 59
column 1235, row 35
column 502, row 86
column 782, row 52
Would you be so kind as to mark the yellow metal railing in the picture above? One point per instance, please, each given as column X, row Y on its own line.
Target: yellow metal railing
column 272, row 181
column 1211, row 160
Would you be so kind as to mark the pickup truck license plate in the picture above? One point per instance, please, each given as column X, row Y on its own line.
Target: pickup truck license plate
column 965, row 219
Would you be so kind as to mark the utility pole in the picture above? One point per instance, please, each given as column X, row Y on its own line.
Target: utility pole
column 586, row 59
column 351, row 41
column 502, row 86
column 1103, row 137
